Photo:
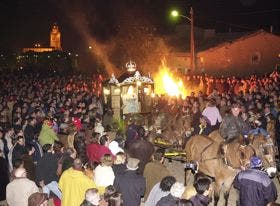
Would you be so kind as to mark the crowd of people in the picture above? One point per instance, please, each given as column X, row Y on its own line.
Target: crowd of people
column 56, row 141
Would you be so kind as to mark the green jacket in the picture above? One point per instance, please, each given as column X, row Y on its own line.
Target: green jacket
column 47, row 135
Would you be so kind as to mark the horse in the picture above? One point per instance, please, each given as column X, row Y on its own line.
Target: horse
column 170, row 127
column 203, row 151
column 266, row 151
column 236, row 154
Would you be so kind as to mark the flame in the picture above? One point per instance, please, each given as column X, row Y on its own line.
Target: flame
column 168, row 83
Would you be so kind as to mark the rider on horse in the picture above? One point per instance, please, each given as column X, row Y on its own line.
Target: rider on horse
column 233, row 126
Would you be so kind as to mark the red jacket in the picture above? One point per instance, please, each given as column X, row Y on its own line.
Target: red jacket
column 96, row 151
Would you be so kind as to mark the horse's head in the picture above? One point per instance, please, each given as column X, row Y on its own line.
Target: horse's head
column 246, row 152
column 266, row 151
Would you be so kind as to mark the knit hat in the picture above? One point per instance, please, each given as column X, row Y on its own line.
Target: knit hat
column 132, row 163
column 255, row 162
column 177, row 189
column 37, row 199
column 92, row 196
column 114, row 147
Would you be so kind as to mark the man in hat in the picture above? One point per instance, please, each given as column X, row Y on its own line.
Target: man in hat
column 232, row 127
column 254, row 185
column 131, row 184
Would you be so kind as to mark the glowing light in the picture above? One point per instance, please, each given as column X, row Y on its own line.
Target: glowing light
column 174, row 13
column 130, row 91
column 146, row 90
column 106, row 91
column 117, row 91
column 138, row 83
column 168, row 84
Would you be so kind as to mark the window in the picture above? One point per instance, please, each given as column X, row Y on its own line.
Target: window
column 256, row 58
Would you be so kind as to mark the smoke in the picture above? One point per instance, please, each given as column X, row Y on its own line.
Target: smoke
column 76, row 15
column 127, row 43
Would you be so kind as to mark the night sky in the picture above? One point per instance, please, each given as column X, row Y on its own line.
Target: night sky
column 24, row 22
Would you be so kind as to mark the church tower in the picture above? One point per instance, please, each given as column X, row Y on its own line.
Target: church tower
column 55, row 38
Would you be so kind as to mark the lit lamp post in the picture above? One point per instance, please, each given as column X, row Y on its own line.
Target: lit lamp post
column 192, row 47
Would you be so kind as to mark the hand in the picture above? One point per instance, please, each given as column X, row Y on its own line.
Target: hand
column 41, row 183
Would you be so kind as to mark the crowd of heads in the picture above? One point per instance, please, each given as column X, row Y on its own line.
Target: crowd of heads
column 72, row 104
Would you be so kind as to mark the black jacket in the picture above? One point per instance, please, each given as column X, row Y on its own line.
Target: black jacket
column 4, row 178
column 46, row 168
column 168, row 200
column 18, row 152
column 132, row 186
column 119, row 169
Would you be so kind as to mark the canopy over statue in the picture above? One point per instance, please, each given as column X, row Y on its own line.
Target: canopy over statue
column 130, row 93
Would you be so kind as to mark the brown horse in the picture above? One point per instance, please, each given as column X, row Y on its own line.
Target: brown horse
column 237, row 154
column 204, row 151
column 171, row 127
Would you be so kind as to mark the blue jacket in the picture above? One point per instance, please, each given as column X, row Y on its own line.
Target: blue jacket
column 255, row 188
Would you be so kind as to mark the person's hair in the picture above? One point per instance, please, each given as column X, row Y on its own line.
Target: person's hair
column 70, row 151
column 46, row 148
column 202, row 184
column 184, row 202
column 19, row 137
column 77, row 164
column 158, row 155
column 106, row 160
column 30, row 119
column 94, row 138
column 166, row 183
column 120, row 158
column 28, row 147
column 37, row 198
column 211, row 102
column 109, row 190
column 17, row 163
column 57, row 146
column 115, row 199
column 103, row 139
column 86, row 203
column 90, row 193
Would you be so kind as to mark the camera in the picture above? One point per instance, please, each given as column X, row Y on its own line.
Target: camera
column 191, row 166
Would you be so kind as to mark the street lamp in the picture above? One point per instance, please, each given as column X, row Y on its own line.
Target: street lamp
column 175, row 13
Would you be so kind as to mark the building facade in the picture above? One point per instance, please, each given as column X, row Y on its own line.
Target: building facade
column 255, row 53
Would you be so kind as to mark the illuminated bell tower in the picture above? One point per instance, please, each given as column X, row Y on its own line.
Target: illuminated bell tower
column 55, row 36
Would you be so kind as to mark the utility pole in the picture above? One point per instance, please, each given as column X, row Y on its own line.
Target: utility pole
column 192, row 45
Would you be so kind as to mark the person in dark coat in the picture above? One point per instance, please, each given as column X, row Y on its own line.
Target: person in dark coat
column 130, row 184
column 46, row 171
column 254, row 185
column 119, row 166
column 176, row 192
column 19, row 149
column 4, row 174
column 28, row 163
column 204, row 127
column 142, row 150
column 30, row 131
column 203, row 189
